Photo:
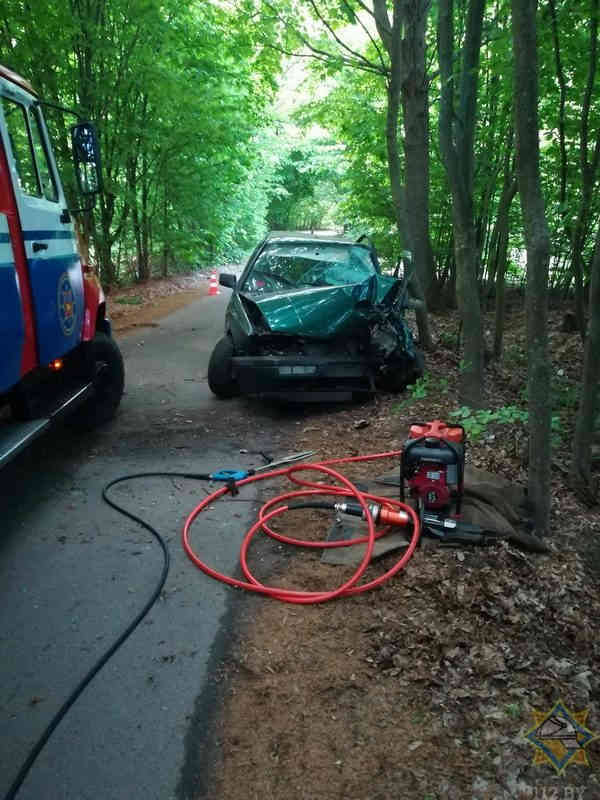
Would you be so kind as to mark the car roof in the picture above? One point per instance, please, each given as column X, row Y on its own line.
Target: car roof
column 300, row 236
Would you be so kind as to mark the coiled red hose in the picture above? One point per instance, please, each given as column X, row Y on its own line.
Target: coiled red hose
column 271, row 510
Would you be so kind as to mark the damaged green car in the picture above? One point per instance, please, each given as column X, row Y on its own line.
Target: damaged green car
column 313, row 318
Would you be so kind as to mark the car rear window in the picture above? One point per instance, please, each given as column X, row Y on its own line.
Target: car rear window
column 298, row 265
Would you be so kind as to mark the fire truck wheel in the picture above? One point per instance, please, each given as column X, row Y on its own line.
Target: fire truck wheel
column 108, row 375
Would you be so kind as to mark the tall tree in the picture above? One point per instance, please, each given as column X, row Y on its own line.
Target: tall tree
column 578, row 178
column 458, row 113
column 537, row 239
column 407, row 84
column 581, row 468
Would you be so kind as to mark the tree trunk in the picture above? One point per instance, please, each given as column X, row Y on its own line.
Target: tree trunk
column 537, row 239
column 398, row 199
column 456, row 144
column 499, row 255
column 415, row 110
column 581, row 468
column 578, row 242
column 144, row 267
column 467, row 298
column 397, row 48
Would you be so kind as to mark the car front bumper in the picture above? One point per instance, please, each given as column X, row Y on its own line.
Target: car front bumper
column 302, row 378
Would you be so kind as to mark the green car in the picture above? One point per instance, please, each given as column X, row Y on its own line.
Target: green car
column 313, row 318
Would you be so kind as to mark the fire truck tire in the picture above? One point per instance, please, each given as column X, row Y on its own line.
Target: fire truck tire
column 108, row 375
column 220, row 379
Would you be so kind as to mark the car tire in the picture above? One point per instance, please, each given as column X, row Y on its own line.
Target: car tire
column 104, row 361
column 417, row 367
column 220, row 377
column 403, row 374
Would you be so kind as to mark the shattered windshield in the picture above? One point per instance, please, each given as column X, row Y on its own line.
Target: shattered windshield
column 299, row 265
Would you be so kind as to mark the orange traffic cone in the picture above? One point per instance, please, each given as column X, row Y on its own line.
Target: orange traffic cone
column 213, row 286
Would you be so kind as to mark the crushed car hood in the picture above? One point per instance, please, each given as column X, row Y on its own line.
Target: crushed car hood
column 320, row 312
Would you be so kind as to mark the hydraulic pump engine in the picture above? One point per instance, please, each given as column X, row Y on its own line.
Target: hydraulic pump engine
column 433, row 465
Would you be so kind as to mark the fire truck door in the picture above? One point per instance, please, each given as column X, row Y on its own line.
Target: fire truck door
column 12, row 330
column 52, row 258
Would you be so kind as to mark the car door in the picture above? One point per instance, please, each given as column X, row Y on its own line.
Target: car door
column 50, row 247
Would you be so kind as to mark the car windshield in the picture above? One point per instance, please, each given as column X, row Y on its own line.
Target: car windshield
column 298, row 265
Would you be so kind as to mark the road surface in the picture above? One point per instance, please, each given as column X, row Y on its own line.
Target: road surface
column 73, row 573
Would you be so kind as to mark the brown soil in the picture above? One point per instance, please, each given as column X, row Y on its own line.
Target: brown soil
column 143, row 304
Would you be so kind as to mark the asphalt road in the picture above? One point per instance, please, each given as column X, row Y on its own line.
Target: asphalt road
column 73, row 573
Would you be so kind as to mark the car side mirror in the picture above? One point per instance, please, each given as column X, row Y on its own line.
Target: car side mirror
column 86, row 158
column 226, row 279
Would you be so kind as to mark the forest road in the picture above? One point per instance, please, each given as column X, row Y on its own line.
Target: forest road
column 73, row 573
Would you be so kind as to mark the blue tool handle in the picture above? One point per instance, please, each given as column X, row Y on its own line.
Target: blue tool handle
column 229, row 475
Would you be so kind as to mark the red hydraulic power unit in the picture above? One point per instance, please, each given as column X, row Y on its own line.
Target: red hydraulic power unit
column 433, row 464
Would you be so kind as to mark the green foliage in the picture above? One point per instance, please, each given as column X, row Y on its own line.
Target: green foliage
column 305, row 184
column 181, row 95
column 198, row 162
column 514, row 710
column 475, row 422
column 424, row 386
column 420, row 389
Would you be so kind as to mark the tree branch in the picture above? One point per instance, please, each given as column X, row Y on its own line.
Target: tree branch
column 368, row 32
column 382, row 21
column 325, row 57
column 341, row 43
column 357, row 63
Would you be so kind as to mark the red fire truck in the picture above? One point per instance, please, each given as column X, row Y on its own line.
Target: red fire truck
column 57, row 353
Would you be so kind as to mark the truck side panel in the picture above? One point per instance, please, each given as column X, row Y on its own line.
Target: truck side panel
column 57, row 290
column 17, row 333
column 12, row 329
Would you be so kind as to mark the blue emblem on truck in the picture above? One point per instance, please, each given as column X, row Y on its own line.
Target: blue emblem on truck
column 67, row 310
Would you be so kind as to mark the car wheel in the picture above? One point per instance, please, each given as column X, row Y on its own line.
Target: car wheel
column 417, row 367
column 401, row 374
column 105, row 362
column 220, row 376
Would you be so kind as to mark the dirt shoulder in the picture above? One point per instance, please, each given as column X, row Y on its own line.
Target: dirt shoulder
column 144, row 304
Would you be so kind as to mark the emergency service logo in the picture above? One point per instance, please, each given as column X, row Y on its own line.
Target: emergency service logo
column 67, row 310
column 560, row 737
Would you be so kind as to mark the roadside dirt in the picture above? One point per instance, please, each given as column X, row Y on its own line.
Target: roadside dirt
column 144, row 304
column 424, row 688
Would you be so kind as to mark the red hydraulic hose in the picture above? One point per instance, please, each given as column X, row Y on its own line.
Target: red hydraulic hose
column 267, row 512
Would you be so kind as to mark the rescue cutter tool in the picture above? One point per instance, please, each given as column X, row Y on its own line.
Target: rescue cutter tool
column 240, row 474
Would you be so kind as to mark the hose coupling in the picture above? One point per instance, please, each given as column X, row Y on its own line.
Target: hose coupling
column 381, row 515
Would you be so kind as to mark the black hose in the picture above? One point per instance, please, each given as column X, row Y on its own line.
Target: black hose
column 91, row 674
